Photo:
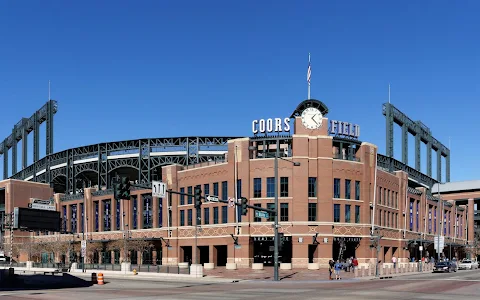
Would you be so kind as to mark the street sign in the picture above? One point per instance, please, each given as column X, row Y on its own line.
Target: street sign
column 231, row 202
column 261, row 214
column 84, row 252
column 211, row 198
column 159, row 189
column 41, row 206
column 84, row 244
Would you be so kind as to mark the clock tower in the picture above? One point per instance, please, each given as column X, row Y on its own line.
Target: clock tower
column 310, row 118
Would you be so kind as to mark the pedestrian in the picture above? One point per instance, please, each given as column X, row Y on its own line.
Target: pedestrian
column 394, row 261
column 354, row 264
column 331, row 265
column 338, row 267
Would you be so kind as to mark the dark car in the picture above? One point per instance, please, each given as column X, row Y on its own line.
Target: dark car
column 445, row 266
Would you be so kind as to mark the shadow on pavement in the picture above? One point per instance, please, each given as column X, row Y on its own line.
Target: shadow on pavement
column 42, row 282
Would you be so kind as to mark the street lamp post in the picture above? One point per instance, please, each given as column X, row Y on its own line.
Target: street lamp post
column 276, row 239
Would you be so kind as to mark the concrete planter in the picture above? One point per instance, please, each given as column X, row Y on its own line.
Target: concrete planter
column 313, row 266
column 231, row 266
column 209, row 266
column 196, row 270
column 285, row 266
column 257, row 266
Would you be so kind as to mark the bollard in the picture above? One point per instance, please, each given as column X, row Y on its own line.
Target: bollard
column 94, row 278
column 100, row 279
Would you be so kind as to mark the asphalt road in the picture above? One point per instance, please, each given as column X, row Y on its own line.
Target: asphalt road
column 458, row 286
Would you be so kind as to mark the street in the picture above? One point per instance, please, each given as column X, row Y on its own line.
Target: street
column 460, row 285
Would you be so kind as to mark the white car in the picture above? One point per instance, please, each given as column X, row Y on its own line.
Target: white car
column 467, row 264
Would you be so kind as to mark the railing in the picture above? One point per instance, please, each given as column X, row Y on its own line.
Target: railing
column 105, row 267
column 14, row 264
column 160, row 269
column 49, row 265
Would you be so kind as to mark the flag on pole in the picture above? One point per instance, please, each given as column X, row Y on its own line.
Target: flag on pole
column 309, row 71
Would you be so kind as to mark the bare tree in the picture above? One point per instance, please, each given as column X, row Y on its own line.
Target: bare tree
column 129, row 245
column 93, row 247
column 57, row 247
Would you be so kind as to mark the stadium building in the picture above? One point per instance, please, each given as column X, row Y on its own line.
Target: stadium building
column 335, row 193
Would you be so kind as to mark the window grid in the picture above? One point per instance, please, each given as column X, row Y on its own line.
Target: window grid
column 336, row 188
column 257, row 187
column 312, row 212
column 312, row 187
column 283, row 186
column 284, row 212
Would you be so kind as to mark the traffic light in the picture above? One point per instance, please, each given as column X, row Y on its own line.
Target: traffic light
column 281, row 240
column 244, row 206
column 122, row 189
column 198, row 197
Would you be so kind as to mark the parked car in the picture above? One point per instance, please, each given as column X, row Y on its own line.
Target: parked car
column 468, row 264
column 444, row 266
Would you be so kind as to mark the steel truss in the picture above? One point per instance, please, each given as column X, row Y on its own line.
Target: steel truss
column 20, row 133
column 71, row 164
column 390, row 164
column 422, row 135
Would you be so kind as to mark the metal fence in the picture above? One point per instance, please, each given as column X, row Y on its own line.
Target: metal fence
column 7, row 264
column 105, row 267
column 160, row 269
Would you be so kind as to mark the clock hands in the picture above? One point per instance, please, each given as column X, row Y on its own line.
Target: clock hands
column 313, row 118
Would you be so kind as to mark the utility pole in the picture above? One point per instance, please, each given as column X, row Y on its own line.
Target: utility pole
column 275, row 239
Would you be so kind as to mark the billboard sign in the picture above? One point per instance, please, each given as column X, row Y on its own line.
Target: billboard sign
column 36, row 219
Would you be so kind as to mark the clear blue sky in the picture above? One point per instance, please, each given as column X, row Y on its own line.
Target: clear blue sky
column 132, row 69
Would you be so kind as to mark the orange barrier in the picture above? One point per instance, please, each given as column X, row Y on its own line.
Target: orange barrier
column 100, row 279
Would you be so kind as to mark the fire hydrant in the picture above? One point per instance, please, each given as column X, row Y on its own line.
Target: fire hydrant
column 134, row 271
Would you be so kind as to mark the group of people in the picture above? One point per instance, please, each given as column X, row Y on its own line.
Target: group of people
column 347, row 265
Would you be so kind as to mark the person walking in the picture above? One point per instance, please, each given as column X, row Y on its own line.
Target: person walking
column 338, row 267
column 354, row 264
column 394, row 261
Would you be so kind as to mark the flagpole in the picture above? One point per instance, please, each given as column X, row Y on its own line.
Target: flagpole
column 309, row 74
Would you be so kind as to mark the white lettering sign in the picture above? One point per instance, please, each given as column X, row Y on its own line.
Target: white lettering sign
column 344, row 129
column 271, row 125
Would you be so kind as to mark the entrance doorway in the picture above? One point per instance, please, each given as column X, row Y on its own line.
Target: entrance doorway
column 204, row 254
column 222, row 254
column 345, row 247
column 312, row 250
column 187, row 254
column 263, row 250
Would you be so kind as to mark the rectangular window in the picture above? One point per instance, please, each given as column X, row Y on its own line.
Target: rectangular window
column 83, row 217
column 160, row 212
column 215, row 215
column 257, row 187
column 284, row 212
column 270, row 187
column 96, row 215
column 206, row 216
column 147, row 211
column 182, row 218
column 206, row 189
column 106, row 215
column 189, row 192
column 336, row 213
column 336, row 188
column 357, row 214
column 418, row 216
column 312, row 212
column 388, row 219
column 347, row 213
column 73, row 213
column 271, row 206
column 283, row 186
column 225, row 190
column 357, row 190
column 255, row 219
column 190, row 217
column 64, row 218
column 135, row 217
column 224, row 214
column 348, row 188
column 215, row 189
column 380, row 195
column 411, row 216
column 182, row 197
column 117, row 214
column 312, row 187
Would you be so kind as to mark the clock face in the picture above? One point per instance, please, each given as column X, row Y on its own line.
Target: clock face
column 312, row 118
